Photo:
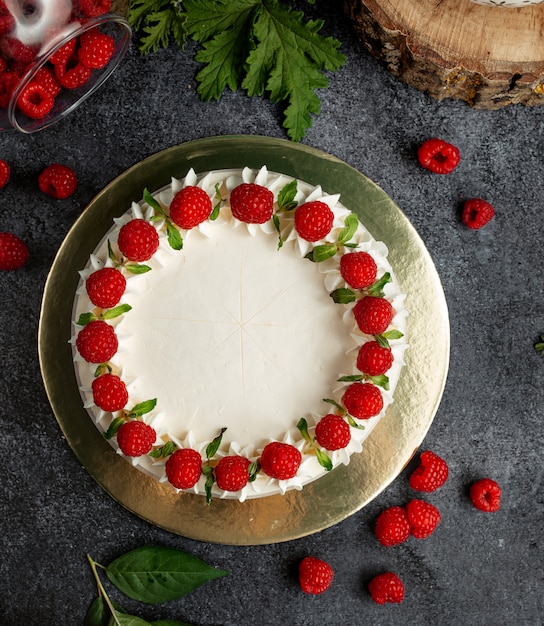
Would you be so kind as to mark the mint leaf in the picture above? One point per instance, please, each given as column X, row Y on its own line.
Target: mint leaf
column 136, row 268
column 111, row 314
column 353, row 378
column 286, row 197
column 143, row 407
column 98, row 614
column 351, row 223
column 158, row 574
column 86, row 318
column 376, row 289
column 539, row 345
column 213, row 446
column 174, row 237
column 343, row 295
column 324, row 459
column 322, row 252
column 124, row 619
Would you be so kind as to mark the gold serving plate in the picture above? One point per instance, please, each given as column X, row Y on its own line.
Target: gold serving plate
column 386, row 451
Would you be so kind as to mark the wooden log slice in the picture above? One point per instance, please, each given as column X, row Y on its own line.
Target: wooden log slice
column 488, row 56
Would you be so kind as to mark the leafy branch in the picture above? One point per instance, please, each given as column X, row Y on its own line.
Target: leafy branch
column 261, row 46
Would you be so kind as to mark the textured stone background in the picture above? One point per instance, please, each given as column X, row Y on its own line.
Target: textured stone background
column 476, row 569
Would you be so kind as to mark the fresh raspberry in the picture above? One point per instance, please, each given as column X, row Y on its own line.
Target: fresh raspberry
column 58, row 181
column 386, row 587
column 15, row 49
column 431, row 474
column 232, row 473
column 35, row 101
column 135, row 438
column 190, row 207
column 9, row 79
column 96, row 49
column 94, row 8
column 333, row 432
column 109, row 393
column 485, row 495
column 97, row 342
column 13, row 252
column 73, row 74
column 315, row 576
column 373, row 314
column 64, row 53
column 280, row 460
column 105, row 287
column 477, row 213
column 7, row 21
column 423, row 517
column 252, row 203
column 4, row 173
column 46, row 78
column 363, row 400
column 138, row 240
column 313, row 220
column 183, row 468
column 392, row 526
column 373, row 359
column 358, row 269
column 438, row 156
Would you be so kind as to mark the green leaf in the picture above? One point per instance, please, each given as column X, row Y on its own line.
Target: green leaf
column 380, row 381
column 98, row 614
column 159, row 20
column 376, row 289
column 152, row 202
column 114, row 427
column 164, row 451
column 86, row 318
column 384, row 339
column 353, row 378
column 324, row 459
column 210, row 479
column 277, row 226
column 353, row 423
column 124, row 619
column 111, row 314
column 351, row 223
column 174, row 237
column 286, row 197
column 539, row 345
column 158, row 574
column 322, row 252
column 302, row 425
column 143, row 407
column 338, row 407
column 213, row 446
column 136, row 268
column 343, row 295
column 169, row 622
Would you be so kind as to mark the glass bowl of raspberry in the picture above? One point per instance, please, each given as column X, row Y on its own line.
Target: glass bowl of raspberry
column 54, row 54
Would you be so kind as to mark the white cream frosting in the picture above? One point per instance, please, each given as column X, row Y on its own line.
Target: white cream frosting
column 232, row 332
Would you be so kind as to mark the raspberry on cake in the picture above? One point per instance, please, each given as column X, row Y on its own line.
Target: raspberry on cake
column 234, row 307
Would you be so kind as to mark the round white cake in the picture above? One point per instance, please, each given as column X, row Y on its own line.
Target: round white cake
column 230, row 336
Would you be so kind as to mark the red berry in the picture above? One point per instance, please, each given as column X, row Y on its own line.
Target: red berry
column 13, row 252
column 373, row 359
column 424, row 518
column 35, row 101
column 97, row 342
column 96, row 49
column 190, row 207
column 477, row 213
column 73, row 74
column 373, row 314
column 280, row 460
column 252, row 203
column 7, row 21
column 438, row 156
column 4, row 173
column 232, row 473
column 183, row 468
column 135, row 438
column 333, row 432
column 64, row 53
column 94, row 8
column 358, row 269
column 105, row 287
column 109, row 393
column 431, row 474
column 58, row 181
column 386, row 587
column 485, row 495
column 363, row 400
column 47, row 79
column 138, row 240
column 15, row 49
column 393, row 526
column 313, row 220
column 315, row 576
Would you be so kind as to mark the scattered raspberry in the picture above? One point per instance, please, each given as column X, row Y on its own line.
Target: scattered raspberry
column 97, row 342
column 105, row 287
column 4, row 173
column 94, row 8
column 183, row 468
column 424, row 518
column 373, row 314
column 477, row 213
column 35, row 101
column 313, row 220
column 15, row 49
column 333, row 432
column 363, row 400
column 392, row 526
column 280, row 460
column 386, row 587
column 438, row 156
column 64, row 53
column 109, row 393
column 7, row 21
column 373, row 359
column 73, row 74
column 315, row 576
column 431, row 474
column 13, row 252
column 138, row 240
column 232, row 473
column 485, row 495
column 252, row 203
column 358, row 269
column 47, row 79
column 135, row 438
column 96, row 49
column 190, row 207
column 58, row 181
